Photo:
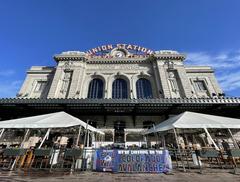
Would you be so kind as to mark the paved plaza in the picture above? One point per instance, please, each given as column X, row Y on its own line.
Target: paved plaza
column 218, row 176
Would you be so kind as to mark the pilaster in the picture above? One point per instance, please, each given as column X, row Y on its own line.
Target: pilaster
column 54, row 86
column 74, row 83
column 185, row 83
column 163, row 79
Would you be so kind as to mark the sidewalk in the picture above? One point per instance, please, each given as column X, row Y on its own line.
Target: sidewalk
column 177, row 176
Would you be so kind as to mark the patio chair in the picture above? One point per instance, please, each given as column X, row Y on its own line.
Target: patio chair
column 208, row 154
column 70, row 157
column 180, row 157
column 11, row 154
column 232, row 154
column 41, row 156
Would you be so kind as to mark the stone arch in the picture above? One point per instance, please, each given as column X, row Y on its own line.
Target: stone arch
column 119, row 75
column 145, row 76
column 87, row 81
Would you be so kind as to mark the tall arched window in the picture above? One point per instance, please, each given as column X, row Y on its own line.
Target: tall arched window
column 144, row 89
column 119, row 89
column 95, row 89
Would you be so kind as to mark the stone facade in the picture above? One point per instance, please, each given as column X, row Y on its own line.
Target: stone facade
column 169, row 77
column 166, row 71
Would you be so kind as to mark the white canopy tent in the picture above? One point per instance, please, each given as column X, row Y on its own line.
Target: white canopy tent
column 192, row 120
column 48, row 121
column 195, row 120
column 53, row 120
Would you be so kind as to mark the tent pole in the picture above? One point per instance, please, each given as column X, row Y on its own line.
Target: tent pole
column 78, row 137
column 86, row 134
column 179, row 150
column 2, row 130
column 234, row 141
column 186, row 138
column 93, row 140
column 88, row 137
column 156, row 135
column 25, row 137
column 84, row 152
column 164, row 142
column 216, row 147
column 44, row 138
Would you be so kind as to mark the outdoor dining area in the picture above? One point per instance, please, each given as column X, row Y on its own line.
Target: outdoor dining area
column 200, row 141
column 59, row 141
column 56, row 141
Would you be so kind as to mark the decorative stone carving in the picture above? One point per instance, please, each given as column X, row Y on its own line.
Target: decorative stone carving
column 118, row 67
column 73, row 53
column 173, row 82
column 66, row 82
column 67, row 65
column 166, row 52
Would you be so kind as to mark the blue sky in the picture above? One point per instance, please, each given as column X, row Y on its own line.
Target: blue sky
column 31, row 32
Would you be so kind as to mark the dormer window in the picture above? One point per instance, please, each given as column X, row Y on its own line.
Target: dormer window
column 200, row 86
column 40, row 86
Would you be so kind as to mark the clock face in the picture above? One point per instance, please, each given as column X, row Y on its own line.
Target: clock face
column 119, row 54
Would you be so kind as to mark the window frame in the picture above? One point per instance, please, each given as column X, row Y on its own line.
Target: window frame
column 95, row 82
column 146, row 91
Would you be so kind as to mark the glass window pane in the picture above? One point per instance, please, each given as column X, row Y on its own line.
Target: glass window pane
column 200, row 85
column 119, row 89
column 40, row 86
column 95, row 89
column 144, row 89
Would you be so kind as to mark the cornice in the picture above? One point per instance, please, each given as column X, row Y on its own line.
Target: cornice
column 224, row 100
column 181, row 57
column 118, row 61
column 69, row 58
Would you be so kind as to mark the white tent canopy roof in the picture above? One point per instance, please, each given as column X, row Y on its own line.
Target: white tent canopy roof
column 195, row 120
column 53, row 120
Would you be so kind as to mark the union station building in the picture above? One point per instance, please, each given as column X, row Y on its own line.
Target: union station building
column 121, row 89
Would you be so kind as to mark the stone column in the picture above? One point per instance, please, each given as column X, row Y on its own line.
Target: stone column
column 74, row 83
column 185, row 83
column 162, row 70
column 81, row 79
column 157, row 80
column 132, row 88
column 125, row 137
column 54, row 86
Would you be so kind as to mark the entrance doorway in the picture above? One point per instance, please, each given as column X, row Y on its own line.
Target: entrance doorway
column 119, row 127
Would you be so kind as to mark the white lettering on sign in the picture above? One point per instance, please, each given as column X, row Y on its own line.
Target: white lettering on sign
column 120, row 46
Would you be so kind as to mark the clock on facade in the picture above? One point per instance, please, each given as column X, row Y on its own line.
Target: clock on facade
column 118, row 54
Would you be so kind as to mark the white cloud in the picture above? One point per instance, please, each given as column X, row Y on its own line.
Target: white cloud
column 229, row 81
column 220, row 60
column 9, row 88
column 222, row 57
column 226, row 65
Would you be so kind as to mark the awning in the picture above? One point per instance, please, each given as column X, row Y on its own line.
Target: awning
column 53, row 120
column 195, row 120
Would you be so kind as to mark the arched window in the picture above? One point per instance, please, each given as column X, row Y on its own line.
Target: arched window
column 95, row 89
column 119, row 89
column 144, row 89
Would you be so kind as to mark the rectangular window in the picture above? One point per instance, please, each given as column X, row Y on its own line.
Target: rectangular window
column 40, row 86
column 200, row 85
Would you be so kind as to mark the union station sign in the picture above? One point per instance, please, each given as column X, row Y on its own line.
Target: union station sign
column 128, row 50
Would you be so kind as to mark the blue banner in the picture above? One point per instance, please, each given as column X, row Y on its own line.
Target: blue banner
column 128, row 161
